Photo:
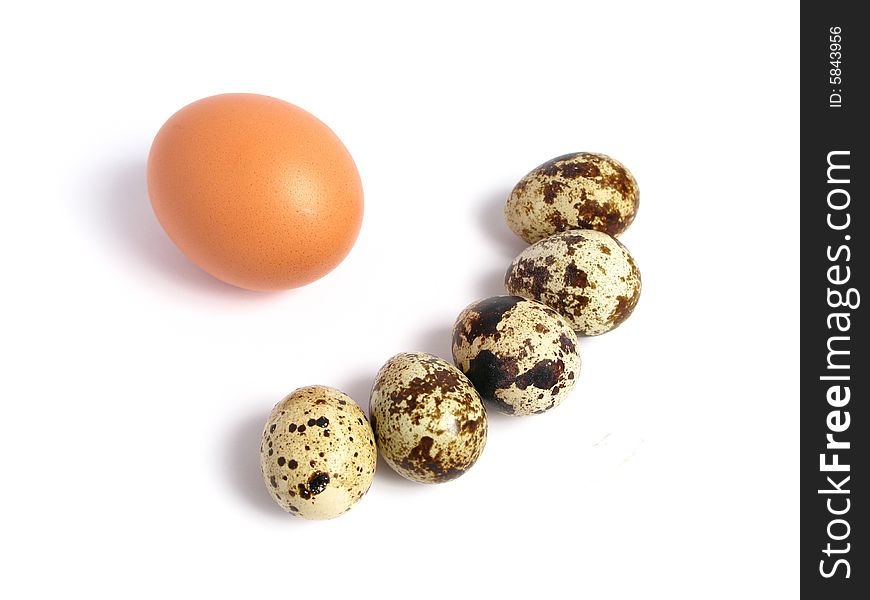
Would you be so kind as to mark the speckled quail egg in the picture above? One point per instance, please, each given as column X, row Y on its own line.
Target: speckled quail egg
column 520, row 355
column 318, row 453
column 429, row 421
column 587, row 276
column 575, row 191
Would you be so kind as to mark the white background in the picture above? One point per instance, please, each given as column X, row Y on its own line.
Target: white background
column 134, row 387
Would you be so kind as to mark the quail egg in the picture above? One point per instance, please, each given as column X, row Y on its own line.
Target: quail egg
column 428, row 419
column 318, row 453
column 520, row 355
column 587, row 276
column 574, row 191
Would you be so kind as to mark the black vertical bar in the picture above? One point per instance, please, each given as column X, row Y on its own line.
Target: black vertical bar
column 835, row 364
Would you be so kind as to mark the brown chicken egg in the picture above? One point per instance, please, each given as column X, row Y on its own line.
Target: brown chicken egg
column 254, row 190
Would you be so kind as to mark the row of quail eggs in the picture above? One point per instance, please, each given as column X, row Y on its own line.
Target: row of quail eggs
column 516, row 353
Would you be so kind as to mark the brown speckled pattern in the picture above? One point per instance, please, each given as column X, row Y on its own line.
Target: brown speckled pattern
column 428, row 419
column 587, row 276
column 521, row 356
column 574, row 191
column 318, row 454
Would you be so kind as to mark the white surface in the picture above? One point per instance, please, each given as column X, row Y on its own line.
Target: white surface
column 134, row 386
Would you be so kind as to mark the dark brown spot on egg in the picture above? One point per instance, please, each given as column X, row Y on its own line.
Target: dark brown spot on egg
column 292, row 464
column 451, row 473
column 567, row 344
column 440, row 377
column 572, row 237
column 322, row 422
column 420, row 458
column 489, row 373
column 484, row 316
column 527, row 275
column 318, row 482
column 544, row 375
column 580, row 168
column 422, row 462
column 575, row 277
column 550, row 168
column 470, row 425
column 624, row 308
column 303, row 491
column 620, row 181
column 592, row 214
column 281, row 461
column 458, row 333
column 559, row 222
column 551, row 190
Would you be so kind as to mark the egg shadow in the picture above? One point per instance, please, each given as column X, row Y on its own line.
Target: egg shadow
column 359, row 388
column 131, row 225
column 436, row 340
column 490, row 217
column 242, row 464
column 492, row 284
